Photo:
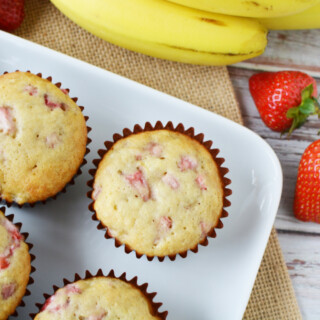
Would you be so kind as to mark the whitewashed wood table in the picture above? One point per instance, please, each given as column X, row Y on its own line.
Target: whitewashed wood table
column 300, row 241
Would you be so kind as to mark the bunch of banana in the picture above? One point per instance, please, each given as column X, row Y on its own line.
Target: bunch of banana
column 208, row 32
column 309, row 19
column 166, row 30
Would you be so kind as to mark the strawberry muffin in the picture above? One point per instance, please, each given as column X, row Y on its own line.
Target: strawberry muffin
column 99, row 298
column 15, row 267
column 43, row 137
column 159, row 192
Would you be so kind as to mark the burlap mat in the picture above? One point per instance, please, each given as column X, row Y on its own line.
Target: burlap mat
column 209, row 87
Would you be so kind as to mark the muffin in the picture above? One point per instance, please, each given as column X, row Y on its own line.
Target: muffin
column 43, row 137
column 101, row 298
column 15, row 267
column 160, row 192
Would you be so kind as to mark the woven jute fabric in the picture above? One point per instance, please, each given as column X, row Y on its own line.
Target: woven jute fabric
column 209, row 87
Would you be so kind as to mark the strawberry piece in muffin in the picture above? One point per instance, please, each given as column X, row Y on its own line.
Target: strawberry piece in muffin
column 200, row 180
column 7, row 121
column 140, row 184
column 155, row 149
column 171, row 181
column 32, row 90
column 8, row 290
column 52, row 104
column 187, row 163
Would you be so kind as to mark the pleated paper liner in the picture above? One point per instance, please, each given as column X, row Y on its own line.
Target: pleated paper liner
column 32, row 257
column 180, row 129
column 153, row 306
column 72, row 181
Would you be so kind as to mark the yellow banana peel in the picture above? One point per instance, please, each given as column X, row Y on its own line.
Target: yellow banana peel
column 165, row 30
column 309, row 19
column 256, row 8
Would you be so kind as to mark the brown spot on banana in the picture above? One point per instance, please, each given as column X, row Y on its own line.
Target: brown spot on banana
column 213, row 53
column 257, row 4
column 214, row 21
column 253, row 3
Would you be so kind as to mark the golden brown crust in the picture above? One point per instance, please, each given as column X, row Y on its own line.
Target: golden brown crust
column 49, row 140
column 188, row 135
column 16, row 274
column 78, row 286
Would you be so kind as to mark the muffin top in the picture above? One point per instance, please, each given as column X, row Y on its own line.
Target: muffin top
column 98, row 298
column 43, row 138
column 15, row 267
column 159, row 192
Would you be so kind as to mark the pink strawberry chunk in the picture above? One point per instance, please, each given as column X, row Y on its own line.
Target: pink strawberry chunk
column 200, row 180
column 52, row 140
column 4, row 263
column 32, row 90
column 96, row 192
column 165, row 223
column 171, row 181
column 10, row 227
column 154, row 149
column 139, row 183
column 16, row 236
column 50, row 305
column 53, row 105
column 7, row 122
column 187, row 163
column 72, row 288
column 205, row 228
column 8, row 290
column 15, row 239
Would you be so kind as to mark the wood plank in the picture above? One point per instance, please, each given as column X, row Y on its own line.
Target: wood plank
column 289, row 151
column 294, row 49
column 301, row 253
column 300, row 241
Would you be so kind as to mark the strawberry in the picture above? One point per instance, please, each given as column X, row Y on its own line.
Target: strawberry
column 307, row 195
column 11, row 14
column 8, row 290
column 4, row 263
column 284, row 99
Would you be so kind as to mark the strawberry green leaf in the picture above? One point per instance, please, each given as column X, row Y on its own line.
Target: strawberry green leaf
column 308, row 106
column 298, row 121
column 292, row 112
column 307, row 92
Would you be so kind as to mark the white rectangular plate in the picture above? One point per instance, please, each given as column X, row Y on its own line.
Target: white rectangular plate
column 216, row 282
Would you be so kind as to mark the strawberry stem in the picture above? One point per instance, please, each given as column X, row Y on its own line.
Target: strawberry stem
column 309, row 106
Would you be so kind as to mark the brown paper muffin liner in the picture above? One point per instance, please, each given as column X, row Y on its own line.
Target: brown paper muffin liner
column 188, row 132
column 32, row 257
column 154, row 306
column 84, row 162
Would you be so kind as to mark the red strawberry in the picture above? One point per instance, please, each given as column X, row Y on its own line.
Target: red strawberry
column 307, row 196
column 11, row 14
column 284, row 99
column 4, row 263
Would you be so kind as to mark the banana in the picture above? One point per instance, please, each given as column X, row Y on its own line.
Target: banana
column 255, row 9
column 309, row 19
column 165, row 30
